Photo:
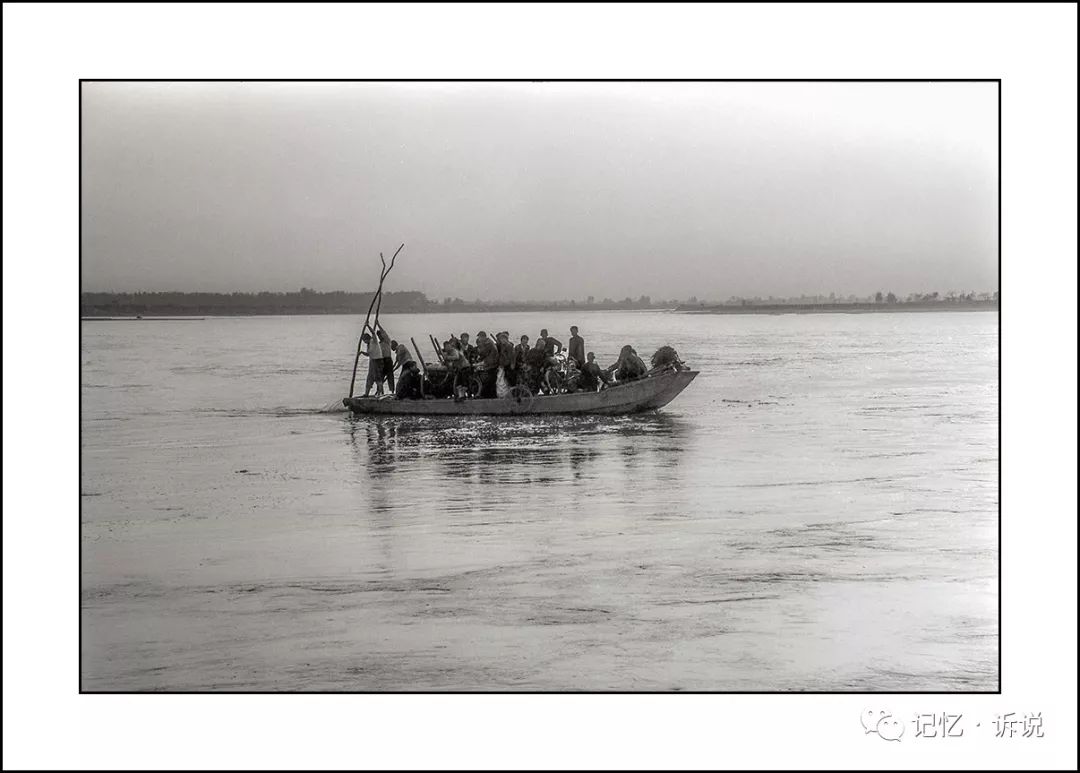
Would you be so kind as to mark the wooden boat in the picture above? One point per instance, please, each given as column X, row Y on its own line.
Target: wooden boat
column 654, row 390
column 646, row 394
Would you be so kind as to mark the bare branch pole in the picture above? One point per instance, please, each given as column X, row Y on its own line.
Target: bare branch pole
column 376, row 298
column 378, row 305
column 360, row 340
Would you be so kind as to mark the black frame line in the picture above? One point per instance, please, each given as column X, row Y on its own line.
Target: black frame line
column 998, row 691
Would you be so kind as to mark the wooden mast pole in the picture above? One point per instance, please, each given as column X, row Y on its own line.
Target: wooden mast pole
column 378, row 306
column 377, row 297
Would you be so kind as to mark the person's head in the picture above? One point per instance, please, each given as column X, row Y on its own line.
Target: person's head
column 382, row 335
column 590, row 356
column 393, row 345
column 481, row 336
column 573, row 330
column 525, row 340
column 626, row 351
column 366, row 338
column 543, row 333
column 400, row 348
column 464, row 338
column 503, row 337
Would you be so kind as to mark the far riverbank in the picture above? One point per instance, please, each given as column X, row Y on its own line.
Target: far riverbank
column 840, row 308
column 761, row 308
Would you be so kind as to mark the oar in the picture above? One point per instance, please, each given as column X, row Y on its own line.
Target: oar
column 419, row 355
column 435, row 346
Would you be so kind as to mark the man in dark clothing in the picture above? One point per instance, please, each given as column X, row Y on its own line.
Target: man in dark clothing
column 408, row 387
column 576, row 350
column 487, row 353
column 467, row 349
column 521, row 352
column 593, row 377
column 487, row 364
column 536, row 364
column 552, row 345
column 629, row 366
column 387, row 358
column 507, row 360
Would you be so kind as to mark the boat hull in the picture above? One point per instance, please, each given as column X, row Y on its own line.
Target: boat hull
column 647, row 394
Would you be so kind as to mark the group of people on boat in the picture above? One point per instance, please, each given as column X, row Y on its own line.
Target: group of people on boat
column 494, row 367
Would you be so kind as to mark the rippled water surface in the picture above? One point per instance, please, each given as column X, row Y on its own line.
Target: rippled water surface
column 817, row 511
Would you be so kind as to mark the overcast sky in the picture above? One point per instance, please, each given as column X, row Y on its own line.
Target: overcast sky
column 536, row 191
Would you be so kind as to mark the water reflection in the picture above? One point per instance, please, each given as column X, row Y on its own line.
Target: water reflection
column 477, row 462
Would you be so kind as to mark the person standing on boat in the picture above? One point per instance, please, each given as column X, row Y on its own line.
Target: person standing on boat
column 507, row 362
column 487, row 363
column 455, row 366
column 467, row 349
column 576, row 350
column 468, row 358
column 521, row 353
column 375, row 362
column 552, row 345
column 537, row 363
column 387, row 358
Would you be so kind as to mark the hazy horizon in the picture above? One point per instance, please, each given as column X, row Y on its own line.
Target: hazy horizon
column 438, row 298
column 541, row 191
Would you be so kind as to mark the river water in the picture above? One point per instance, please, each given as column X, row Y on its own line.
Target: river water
column 817, row 511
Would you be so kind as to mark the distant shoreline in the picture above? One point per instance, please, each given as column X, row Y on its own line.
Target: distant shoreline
column 770, row 309
column 140, row 319
column 175, row 305
column 843, row 308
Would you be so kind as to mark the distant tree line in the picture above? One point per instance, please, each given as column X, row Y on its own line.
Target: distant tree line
column 832, row 299
column 308, row 301
column 304, row 301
